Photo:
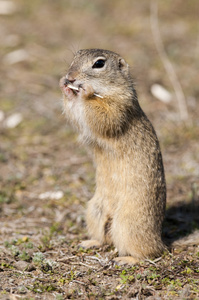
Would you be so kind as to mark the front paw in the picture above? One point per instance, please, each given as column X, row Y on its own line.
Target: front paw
column 90, row 244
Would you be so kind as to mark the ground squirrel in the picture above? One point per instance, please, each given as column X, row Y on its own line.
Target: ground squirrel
column 128, row 207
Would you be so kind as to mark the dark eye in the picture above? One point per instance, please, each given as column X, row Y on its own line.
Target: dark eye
column 99, row 64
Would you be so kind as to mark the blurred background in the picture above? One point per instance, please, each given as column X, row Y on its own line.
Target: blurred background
column 46, row 177
column 39, row 154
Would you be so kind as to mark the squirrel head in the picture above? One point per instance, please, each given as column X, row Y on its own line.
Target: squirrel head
column 99, row 93
column 103, row 68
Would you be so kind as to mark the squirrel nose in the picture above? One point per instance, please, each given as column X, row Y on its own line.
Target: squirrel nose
column 68, row 81
column 70, row 78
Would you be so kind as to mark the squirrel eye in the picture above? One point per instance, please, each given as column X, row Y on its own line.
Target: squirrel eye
column 99, row 64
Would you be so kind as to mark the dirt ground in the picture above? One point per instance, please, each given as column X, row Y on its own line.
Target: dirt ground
column 46, row 177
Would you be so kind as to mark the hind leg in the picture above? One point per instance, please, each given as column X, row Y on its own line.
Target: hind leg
column 135, row 239
column 128, row 253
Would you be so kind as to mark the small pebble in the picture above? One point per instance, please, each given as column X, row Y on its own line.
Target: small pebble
column 2, row 116
column 13, row 121
column 51, row 195
column 16, row 56
column 7, row 7
column 159, row 92
column 21, row 265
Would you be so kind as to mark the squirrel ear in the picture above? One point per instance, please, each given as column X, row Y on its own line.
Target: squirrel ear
column 122, row 64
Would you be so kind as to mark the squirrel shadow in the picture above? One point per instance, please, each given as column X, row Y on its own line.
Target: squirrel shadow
column 181, row 220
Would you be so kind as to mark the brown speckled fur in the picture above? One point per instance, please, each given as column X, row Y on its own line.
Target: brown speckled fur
column 128, row 207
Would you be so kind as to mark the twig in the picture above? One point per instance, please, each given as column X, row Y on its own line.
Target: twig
column 95, row 258
column 150, row 261
column 157, row 259
column 72, row 87
column 153, row 262
column 80, row 282
column 167, row 64
column 82, row 264
column 103, row 267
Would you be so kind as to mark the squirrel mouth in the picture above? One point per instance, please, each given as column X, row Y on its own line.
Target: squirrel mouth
column 68, row 87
